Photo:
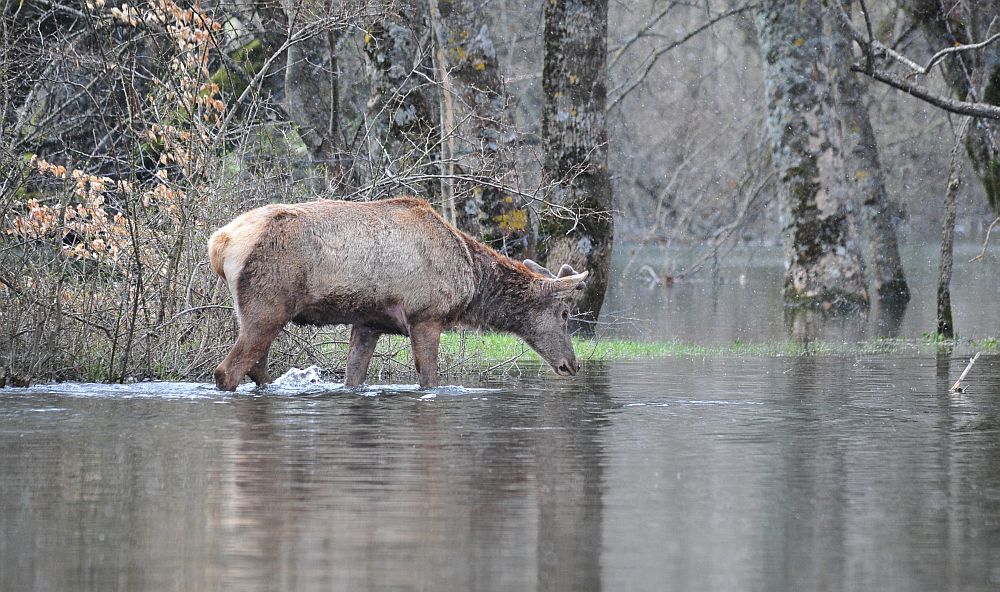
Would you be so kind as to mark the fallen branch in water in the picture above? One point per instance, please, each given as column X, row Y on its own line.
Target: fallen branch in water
column 957, row 387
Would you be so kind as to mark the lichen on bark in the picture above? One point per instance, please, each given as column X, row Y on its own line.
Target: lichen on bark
column 487, row 136
column 823, row 263
column 402, row 123
column 863, row 169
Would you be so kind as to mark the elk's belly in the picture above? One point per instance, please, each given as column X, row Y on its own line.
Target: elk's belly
column 387, row 317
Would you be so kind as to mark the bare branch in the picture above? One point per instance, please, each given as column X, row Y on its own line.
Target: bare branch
column 986, row 242
column 656, row 55
column 950, row 50
column 873, row 47
column 644, row 31
column 957, row 387
column 952, row 105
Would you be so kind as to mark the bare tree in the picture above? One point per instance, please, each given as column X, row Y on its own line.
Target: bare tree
column 575, row 144
column 823, row 261
column 972, row 75
column 945, row 322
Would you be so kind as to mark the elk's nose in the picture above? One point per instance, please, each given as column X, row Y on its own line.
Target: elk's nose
column 568, row 367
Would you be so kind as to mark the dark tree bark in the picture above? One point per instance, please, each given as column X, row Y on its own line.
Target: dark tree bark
column 500, row 219
column 311, row 86
column 945, row 324
column 580, row 230
column 971, row 75
column 403, row 130
column 863, row 170
column 823, row 264
column 302, row 77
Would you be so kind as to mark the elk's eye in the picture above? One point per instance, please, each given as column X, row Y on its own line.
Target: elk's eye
column 565, row 314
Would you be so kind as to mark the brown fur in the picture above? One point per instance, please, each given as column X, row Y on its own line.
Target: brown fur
column 392, row 266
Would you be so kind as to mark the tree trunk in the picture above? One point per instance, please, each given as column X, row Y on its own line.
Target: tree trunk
column 823, row 264
column 500, row 219
column 311, row 87
column 863, row 170
column 402, row 123
column 971, row 75
column 579, row 230
column 945, row 325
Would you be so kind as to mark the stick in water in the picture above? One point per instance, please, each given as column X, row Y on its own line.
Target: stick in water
column 957, row 387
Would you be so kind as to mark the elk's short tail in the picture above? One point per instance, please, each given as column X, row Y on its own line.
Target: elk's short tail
column 217, row 251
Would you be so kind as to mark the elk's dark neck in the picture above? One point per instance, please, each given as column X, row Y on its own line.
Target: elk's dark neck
column 503, row 292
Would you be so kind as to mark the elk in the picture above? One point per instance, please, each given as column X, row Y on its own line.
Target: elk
column 391, row 266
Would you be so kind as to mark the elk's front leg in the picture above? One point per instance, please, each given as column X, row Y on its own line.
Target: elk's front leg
column 424, row 339
column 359, row 354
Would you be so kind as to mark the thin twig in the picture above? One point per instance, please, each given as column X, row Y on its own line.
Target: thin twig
column 512, row 360
column 643, row 31
column 950, row 50
column 656, row 55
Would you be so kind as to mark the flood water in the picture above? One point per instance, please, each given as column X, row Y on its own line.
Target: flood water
column 811, row 473
column 853, row 472
column 742, row 299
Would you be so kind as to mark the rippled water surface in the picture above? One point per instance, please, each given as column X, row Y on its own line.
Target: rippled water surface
column 845, row 473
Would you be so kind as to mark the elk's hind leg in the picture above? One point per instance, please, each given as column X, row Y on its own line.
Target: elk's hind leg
column 258, row 373
column 424, row 339
column 359, row 354
column 248, row 356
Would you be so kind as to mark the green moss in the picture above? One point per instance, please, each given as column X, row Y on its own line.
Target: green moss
column 251, row 58
column 832, row 300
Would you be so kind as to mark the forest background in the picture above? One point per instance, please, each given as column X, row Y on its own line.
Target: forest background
column 549, row 129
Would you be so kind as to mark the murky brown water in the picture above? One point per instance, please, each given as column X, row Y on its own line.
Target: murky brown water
column 846, row 473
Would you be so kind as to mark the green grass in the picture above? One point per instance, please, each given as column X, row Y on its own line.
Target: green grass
column 485, row 349
column 486, row 352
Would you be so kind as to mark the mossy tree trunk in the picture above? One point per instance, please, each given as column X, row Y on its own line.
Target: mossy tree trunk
column 485, row 145
column 971, row 75
column 823, row 263
column 402, row 122
column 863, row 169
column 579, row 229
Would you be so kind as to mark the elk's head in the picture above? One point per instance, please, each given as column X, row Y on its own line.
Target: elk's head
column 547, row 322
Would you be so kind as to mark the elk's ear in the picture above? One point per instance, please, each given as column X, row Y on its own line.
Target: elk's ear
column 564, row 286
column 566, row 270
column 535, row 267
